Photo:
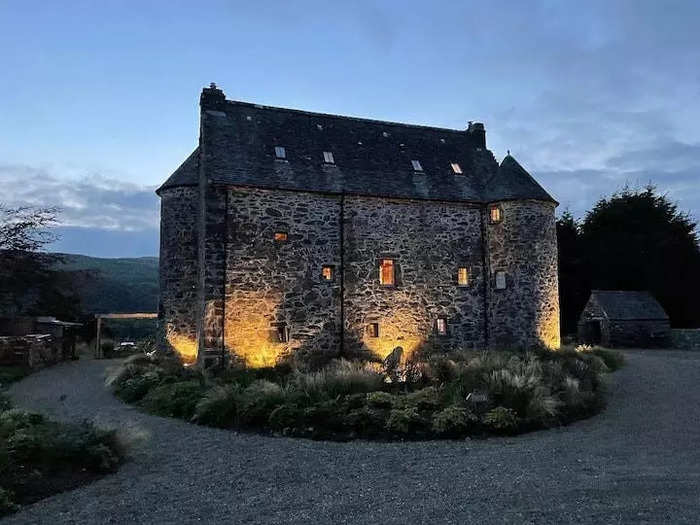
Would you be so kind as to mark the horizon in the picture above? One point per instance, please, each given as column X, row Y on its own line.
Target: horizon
column 102, row 105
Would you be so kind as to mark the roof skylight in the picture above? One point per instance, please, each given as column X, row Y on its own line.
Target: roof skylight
column 328, row 157
column 456, row 168
column 416, row 165
column 280, row 152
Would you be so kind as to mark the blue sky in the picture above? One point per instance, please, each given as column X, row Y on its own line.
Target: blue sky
column 98, row 100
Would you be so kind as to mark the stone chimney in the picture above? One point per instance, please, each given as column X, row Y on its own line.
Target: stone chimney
column 477, row 132
column 212, row 98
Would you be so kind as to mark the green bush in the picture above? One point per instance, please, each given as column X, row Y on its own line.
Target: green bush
column 404, row 420
column 7, row 504
column 613, row 359
column 257, row 402
column 286, row 416
column 424, row 399
column 174, row 399
column 135, row 388
column 454, row 421
column 380, row 399
column 13, row 373
column 218, row 407
column 501, row 420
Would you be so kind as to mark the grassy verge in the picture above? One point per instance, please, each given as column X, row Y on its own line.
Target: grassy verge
column 449, row 396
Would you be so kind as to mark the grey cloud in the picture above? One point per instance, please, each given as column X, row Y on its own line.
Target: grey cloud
column 90, row 201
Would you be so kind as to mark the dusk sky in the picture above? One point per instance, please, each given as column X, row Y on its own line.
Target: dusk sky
column 99, row 100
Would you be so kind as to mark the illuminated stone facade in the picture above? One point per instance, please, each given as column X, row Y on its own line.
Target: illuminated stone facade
column 267, row 254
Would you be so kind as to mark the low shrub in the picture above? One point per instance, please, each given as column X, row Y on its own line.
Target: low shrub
column 136, row 387
column 218, row 407
column 341, row 377
column 13, row 373
column 177, row 399
column 286, row 416
column 257, row 402
column 501, row 420
column 404, row 420
column 454, row 421
column 380, row 399
column 7, row 504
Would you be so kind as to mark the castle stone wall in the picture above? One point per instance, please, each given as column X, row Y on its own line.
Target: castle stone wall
column 178, row 268
column 524, row 246
column 428, row 242
column 274, row 285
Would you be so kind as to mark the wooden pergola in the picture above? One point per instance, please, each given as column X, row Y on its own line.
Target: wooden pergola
column 98, row 339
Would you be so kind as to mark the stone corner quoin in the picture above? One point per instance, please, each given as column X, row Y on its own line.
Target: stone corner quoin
column 268, row 249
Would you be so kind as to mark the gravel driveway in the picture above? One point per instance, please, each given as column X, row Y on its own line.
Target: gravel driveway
column 638, row 462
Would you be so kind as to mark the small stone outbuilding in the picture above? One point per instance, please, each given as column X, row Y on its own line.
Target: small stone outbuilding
column 622, row 318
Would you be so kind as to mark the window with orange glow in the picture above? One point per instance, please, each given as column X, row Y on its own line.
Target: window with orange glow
column 386, row 272
column 327, row 273
column 280, row 236
column 441, row 326
column 373, row 329
column 463, row 276
column 495, row 214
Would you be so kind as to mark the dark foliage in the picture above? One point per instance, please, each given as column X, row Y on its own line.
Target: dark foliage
column 632, row 240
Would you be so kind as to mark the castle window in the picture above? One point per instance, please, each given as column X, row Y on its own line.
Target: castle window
column 386, row 272
column 327, row 272
column 416, row 165
column 500, row 280
column 282, row 331
column 441, row 326
column 495, row 214
column 456, row 168
column 281, row 236
column 373, row 329
column 328, row 157
column 462, row 276
column 280, row 152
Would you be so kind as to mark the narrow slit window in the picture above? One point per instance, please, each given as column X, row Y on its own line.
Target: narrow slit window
column 463, row 276
column 327, row 273
column 281, row 236
column 456, row 168
column 441, row 326
column 328, row 157
column 373, row 329
column 280, row 152
column 416, row 165
column 495, row 214
column 500, row 280
column 282, row 333
column 386, row 272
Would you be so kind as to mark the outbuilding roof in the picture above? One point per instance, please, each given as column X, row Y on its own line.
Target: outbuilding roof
column 628, row 305
column 369, row 157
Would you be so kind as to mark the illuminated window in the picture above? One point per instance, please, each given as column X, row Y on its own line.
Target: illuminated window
column 373, row 329
column 280, row 152
column 441, row 326
column 456, row 168
column 386, row 272
column 495, row 214
column 281, row 236
column 500, row 280
column 462, row 276
column 416, row 165
column 327, row 273
column 328, row 157
column 282, row 332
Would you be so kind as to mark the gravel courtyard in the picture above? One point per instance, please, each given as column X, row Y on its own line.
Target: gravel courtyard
column 638, row 462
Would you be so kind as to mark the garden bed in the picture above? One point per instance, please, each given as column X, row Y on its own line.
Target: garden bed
column 454, row 396
column 39, row 457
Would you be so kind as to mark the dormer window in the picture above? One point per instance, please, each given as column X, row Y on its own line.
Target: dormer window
column 416, row 165
column 328, row 157
column 456, row 168
column 495, row 214
column 280, row 152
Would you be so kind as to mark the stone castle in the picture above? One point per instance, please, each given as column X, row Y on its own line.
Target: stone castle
column 290, row 232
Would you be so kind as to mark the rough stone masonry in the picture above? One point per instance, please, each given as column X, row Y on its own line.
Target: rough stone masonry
column 291, row 233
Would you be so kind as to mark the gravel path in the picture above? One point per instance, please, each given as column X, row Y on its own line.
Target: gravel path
column 638, row 462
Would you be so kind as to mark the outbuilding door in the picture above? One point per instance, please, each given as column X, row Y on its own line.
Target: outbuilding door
column 591, row 332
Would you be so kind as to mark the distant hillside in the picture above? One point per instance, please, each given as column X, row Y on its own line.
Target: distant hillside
column 115, row 285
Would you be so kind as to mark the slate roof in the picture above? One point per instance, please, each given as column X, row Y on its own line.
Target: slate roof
column 625, row 305
column 371, row 157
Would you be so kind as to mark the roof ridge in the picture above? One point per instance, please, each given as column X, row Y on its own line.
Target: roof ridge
column 345, row 117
